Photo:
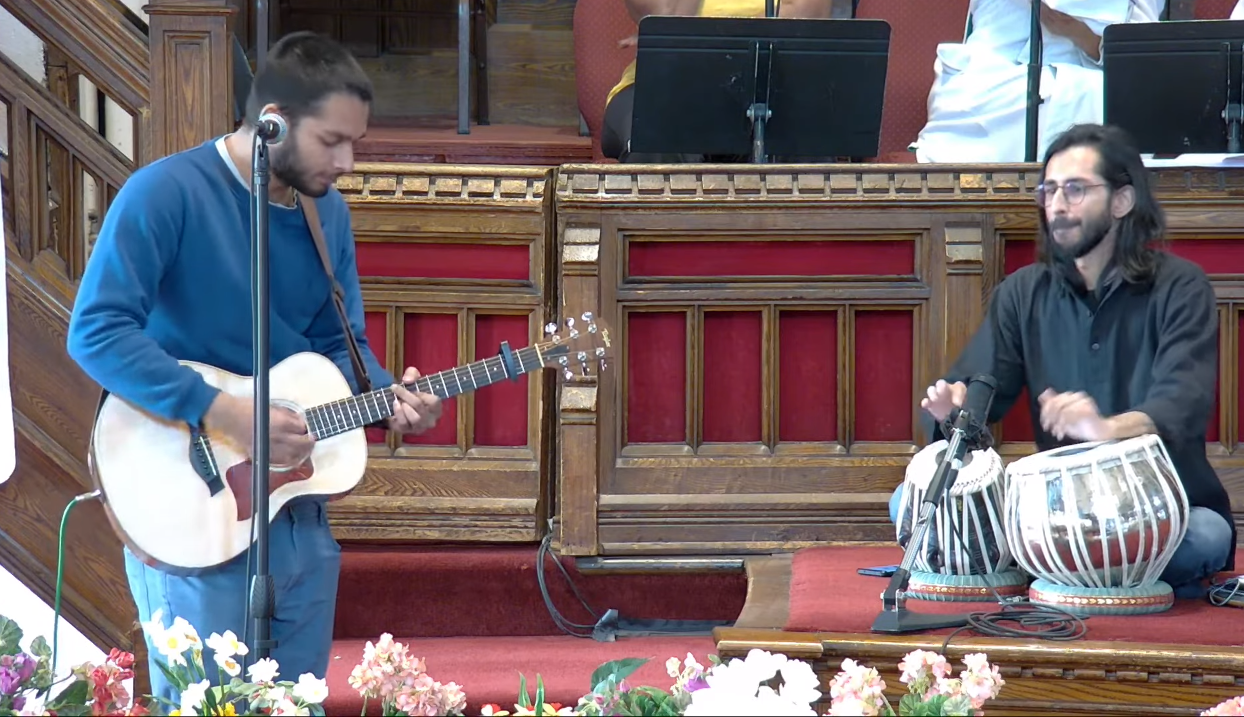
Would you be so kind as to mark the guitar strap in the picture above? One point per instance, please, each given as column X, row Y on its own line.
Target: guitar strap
column 317, row 233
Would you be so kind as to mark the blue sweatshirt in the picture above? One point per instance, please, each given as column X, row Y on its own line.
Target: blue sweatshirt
column 169, row 279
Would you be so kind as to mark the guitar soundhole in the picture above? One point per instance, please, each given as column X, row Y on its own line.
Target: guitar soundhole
column 239, row 479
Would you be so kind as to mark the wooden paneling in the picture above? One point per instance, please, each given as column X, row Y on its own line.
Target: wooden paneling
column 191, row 73
column 454, row 261
column 776, row 326
column 1086, row 677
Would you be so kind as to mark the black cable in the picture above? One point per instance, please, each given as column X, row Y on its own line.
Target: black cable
column 1058, row 624
column 566, row 626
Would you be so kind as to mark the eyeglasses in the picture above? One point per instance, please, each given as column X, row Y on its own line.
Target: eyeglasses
column 1073, row 191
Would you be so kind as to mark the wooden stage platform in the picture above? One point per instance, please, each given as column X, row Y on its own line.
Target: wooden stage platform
column 1081, row 677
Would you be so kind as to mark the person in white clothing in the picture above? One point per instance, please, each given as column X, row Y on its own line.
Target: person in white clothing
column 979, row 99
column 1238, row 12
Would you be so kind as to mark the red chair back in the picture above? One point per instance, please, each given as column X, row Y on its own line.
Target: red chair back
column 1213, row 9
column 917, row 27
column 598, row 27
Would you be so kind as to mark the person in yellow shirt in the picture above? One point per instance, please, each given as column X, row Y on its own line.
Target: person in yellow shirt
column 615, row 136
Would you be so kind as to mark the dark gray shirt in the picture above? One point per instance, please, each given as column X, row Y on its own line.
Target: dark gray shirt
column 1149, row 347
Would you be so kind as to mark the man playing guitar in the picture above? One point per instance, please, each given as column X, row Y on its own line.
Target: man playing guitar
column 169, row 281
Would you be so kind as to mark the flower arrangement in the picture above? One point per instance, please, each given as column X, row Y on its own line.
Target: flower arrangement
column 400, row 682
column 27, row 678
column 182, row 649
column 859, row 690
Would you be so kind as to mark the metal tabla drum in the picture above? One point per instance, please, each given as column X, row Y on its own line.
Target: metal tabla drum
column 1096, row 524
column 964, row 555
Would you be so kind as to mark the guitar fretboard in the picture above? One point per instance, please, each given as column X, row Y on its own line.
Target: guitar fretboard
column 331, row 419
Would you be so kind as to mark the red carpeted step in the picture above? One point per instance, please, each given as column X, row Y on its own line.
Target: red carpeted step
column 455, row 591
column 828, row 595
column 488, row 668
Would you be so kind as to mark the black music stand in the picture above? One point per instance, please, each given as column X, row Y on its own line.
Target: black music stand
column 759, row 87
column 1176, row 86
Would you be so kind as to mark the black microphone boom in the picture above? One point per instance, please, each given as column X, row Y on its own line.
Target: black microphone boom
column 969, row 429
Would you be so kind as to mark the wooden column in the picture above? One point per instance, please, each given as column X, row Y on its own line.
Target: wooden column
column 191, row 73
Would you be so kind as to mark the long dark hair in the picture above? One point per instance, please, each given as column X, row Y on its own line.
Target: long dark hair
column 1135, row 251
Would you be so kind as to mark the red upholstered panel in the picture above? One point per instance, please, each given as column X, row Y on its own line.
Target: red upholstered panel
column 598, row 27
column 656, row 377
column 1213, row 9
column 377, row 331
column 807, row 375
column 733, row 347
column 883, row 375
column 501, row 409
column 430, row 344
column 916, row 29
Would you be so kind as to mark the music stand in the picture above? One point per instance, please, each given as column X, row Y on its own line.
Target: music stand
column 1176, row 86
column 759, row 86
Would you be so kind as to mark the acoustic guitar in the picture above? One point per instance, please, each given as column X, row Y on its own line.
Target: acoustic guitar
column 181, row 499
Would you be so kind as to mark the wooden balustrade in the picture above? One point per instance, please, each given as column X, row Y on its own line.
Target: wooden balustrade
column 774, row 326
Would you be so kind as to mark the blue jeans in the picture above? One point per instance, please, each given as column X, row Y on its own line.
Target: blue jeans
column 304, row 561
column 1204, row 550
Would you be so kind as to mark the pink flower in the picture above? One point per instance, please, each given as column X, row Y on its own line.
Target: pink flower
column 1233, row 706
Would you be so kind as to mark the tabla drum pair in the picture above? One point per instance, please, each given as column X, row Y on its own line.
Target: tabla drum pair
column 1095, row 524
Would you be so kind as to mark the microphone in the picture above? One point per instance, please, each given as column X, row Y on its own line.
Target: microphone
column 969, row 427
column 271, row 128
column 973, row 417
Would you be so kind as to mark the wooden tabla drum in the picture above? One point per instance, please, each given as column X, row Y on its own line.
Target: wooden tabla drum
column 964, row 551
column 1096, row 524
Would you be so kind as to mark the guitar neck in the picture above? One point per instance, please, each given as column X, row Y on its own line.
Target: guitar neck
column 347, row 414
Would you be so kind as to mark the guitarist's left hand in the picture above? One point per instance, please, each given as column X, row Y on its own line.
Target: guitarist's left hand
column 413, row 412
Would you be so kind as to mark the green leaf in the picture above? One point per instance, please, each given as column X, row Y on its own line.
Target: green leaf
column 619, row 669
column 39, row 647
column 539, row 706
column 10, row 637
column 77, row 693
column 523, row 701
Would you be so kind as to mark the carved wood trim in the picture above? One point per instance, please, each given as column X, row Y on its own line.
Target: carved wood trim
column 508, row 187
column 99, row 41
column 963, row 185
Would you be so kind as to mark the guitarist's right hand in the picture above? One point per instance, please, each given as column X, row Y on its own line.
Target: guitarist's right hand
column 289, row 441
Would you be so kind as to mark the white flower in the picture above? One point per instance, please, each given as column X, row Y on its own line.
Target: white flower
column 673, row 667
column 187, row 632
column 799, row 683
column 264, row 670
column 192, row 698
column 287, row 707
column 309, row 689
column 228, row 664
column 226, row 645
column 275, row 694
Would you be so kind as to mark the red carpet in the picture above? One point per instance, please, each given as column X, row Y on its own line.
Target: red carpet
column 488, row 667
column 477, row 616
column 828, row 595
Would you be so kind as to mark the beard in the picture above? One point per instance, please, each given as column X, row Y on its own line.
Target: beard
column 1093, row 231
column 287, row 167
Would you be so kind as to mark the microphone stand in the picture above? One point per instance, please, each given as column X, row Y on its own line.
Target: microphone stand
column 1035, row 44
column 262, row 588
column 894, row 617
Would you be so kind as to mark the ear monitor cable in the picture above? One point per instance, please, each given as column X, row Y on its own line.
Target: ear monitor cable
column 60, row 568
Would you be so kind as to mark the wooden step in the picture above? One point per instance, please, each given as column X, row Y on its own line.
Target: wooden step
column 543, row 13
column 435, row 143
column 531, row 78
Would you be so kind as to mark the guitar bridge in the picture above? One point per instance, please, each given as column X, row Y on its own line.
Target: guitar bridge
column 204, row 461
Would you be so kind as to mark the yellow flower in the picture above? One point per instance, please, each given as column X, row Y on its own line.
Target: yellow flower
column 175, row 713
column 227, row 710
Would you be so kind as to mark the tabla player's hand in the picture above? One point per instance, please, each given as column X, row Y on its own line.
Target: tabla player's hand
column 413, row 413
column 943, row 398
column 1059, row 23
column 1071, row 415
column 631, row 41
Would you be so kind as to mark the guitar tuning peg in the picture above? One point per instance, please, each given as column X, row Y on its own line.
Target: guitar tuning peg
column 550, row 328
column 587, row 316
column 570, row 323
column 569, row 374
column 583, row 363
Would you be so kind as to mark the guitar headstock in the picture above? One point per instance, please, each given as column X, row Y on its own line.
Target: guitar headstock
column 576, row 346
